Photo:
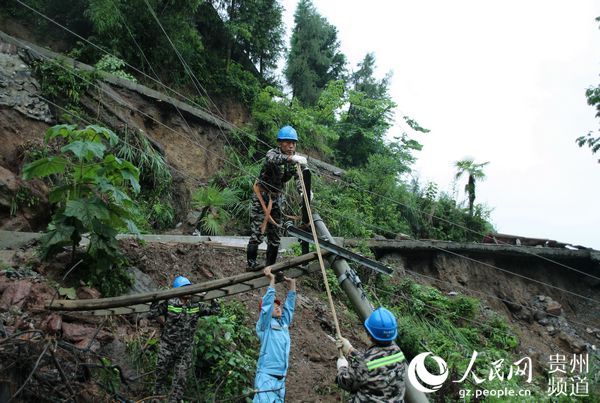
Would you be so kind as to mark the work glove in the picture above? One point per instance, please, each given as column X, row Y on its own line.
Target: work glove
column 342, row 362
column 343, row 344
column 298, row 159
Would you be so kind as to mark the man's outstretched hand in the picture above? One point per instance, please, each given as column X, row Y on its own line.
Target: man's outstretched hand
column 291, row 283
column 269, row 275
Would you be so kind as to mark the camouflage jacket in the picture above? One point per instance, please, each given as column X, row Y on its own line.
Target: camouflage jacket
column 276, row 171
column 181, row 319
column 377, row 375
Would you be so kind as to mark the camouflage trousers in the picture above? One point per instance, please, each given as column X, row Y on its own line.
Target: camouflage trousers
column 176, row 356
column 257, row 216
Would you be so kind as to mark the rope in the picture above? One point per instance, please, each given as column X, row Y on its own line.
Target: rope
column 321, row 264
column 196, row 105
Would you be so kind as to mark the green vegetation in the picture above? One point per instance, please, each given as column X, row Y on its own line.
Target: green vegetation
column 213, row 204
column 592, row 139
column 154, row 202
column 113, row 65
column 89, row 196
column 23, row 199
column 451, row 327
column 314, row 58
column 64, row 86
column 226, row 354
column 475, row 173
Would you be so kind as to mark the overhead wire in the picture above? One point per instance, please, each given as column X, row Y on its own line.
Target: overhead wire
column 504, row 300
column 442, row 250
column 133, row 146
column 399, row 203
column 228, row 161
column 407, row 270
column 142, row 73
column 478, row 261
column 132, row 108
column 207, row 111
column 337, row 178
column 196, row 83
column 152, row 68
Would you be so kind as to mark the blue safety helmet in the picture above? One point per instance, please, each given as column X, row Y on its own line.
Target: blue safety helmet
column 287, row 133
column 180, row 281
column 382, row 325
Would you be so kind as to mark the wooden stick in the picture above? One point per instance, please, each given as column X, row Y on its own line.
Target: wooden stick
column 127, row 300
column 314, row 234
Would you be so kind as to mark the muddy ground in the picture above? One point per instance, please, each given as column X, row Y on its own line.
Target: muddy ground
column 312, row 361
column 26, row 328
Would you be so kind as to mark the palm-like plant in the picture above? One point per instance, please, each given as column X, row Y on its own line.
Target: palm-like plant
column 215, row 206
column 475, row 172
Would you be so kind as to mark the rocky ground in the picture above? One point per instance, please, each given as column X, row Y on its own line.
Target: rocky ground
column 28, row 328
column 64, row 349
column 69, row 342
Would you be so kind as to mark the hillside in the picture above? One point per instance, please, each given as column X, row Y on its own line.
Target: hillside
column 529, row 309
column 549, row 305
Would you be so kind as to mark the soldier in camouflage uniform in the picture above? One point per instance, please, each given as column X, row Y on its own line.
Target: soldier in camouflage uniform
column 177, row 340
column 378, row 374
column 278, row 168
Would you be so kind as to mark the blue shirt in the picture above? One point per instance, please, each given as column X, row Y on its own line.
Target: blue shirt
column 274, row 334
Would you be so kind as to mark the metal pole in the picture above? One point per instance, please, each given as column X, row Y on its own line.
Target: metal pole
column 347, row 278
column 350, row 283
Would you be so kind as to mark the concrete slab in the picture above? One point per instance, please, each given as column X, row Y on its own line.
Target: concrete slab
column 166, row 238
column 13, row 240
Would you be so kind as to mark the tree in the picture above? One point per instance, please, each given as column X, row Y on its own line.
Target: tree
column 593, row 99
column 369, row 116
column 89, row 197
column 314, row 58
column 264, row 44
column 124, row 28
column 475, row 172
column 255, row 28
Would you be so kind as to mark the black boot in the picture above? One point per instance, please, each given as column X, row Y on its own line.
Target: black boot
column 251, row 253
column 271, row 255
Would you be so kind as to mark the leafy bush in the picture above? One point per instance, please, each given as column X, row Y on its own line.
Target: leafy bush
column 23, row 199
column 214, row 204
column 241, row 83
column 113, row 65
column 450, row 327
column 226, row 354
column 154, row 203
column 89, row 196
column 63, row 85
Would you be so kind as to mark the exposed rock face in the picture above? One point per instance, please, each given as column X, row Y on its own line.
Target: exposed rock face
column 19, row 89
column 8, row 186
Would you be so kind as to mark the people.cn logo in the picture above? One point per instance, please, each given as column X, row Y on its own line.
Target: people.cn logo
column 421, row 378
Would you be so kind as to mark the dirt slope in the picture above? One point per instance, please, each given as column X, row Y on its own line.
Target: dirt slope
column 312, row 361
column 24, row 288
